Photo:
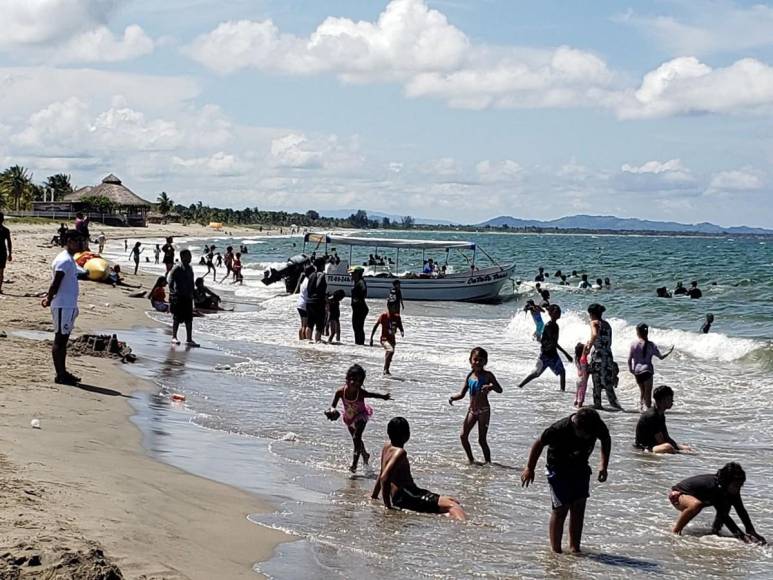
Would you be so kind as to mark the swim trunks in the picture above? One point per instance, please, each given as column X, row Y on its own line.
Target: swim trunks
column 315, row 313
column 549, row 362
column 417, row 500
column 388, row 345
column 302, row 313
column 567, row 487
column 182, row 309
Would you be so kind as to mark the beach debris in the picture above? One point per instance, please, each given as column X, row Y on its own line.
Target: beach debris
column 102, row 345
column 177, row 397
column 3, row 334
column 35, row 423
column 289, row 436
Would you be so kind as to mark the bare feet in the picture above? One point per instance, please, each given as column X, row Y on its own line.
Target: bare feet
column 175, row 340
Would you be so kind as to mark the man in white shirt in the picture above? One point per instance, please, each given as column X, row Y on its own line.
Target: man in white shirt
column 62, row 297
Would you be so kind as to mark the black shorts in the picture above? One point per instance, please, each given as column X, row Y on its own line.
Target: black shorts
column 182, row 310
column 642, row 378
column 3, row 260
column 567, row 487
column 417, row 500
column 315, row 315
column 302, row 313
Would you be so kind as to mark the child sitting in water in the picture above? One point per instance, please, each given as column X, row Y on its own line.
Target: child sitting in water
column 722, row 491
column 479, row 383
column 395, row 482
column 583, row 372
column 334, row 314
column 356, row 412
column 390, row 323
column 536, row 314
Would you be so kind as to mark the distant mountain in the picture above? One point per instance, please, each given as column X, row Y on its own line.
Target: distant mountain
column 377, row 215
column 611, row 223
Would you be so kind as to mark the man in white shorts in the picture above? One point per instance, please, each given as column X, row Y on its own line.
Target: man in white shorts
column 62, row 297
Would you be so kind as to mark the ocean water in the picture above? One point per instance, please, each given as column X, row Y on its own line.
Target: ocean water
column 255, row 391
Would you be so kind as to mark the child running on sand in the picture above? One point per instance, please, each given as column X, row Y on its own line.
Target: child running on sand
column 583, row 373
column 395, row 482
column 536, row 314
column 548, row 358
column 479, row 383
column 721, row 490
column 570, row 443
column 390, row 323
column 356, row 412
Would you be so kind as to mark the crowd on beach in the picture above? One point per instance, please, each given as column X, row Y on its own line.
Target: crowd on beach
column 569, row 441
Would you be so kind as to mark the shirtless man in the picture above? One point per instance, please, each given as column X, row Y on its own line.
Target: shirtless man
column 395, row 482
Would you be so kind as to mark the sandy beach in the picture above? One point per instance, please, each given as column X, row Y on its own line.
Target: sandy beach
column 79, row 498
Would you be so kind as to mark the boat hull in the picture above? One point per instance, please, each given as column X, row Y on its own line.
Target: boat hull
column 482, row 286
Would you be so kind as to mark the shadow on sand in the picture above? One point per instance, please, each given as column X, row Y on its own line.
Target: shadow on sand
column 101, row 390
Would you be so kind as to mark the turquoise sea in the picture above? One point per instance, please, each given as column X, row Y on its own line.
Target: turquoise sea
column 256, row 396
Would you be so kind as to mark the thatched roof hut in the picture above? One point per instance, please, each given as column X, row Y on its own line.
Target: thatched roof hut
column 111, row 188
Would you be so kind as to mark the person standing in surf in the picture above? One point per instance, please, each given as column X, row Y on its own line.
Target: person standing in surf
column 390, row 323
column 181, row 287
column 640, row 364
column 168, row 250
column 479, row 383
column 570, row 443
column 549, row 348
column 135, row 255
column 359, row 305
column 356, row 411
column 604, row 370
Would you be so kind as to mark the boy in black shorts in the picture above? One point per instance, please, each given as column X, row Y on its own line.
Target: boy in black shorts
column 549, row 348
column 570, row 443
column 395, row 482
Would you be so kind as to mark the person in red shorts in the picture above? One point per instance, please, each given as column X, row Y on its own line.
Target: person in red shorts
column 390, row 323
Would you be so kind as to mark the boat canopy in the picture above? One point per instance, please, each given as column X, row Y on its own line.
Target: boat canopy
column 387, row 242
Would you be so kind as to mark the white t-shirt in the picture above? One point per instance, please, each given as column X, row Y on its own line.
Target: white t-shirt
column 67, row 296
column 303, row 294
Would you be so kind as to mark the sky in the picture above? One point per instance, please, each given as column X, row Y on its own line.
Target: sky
column 450, row 109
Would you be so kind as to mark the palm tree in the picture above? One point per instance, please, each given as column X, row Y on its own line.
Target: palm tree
column 16, row 182
column 165, row 204
column 58, row 185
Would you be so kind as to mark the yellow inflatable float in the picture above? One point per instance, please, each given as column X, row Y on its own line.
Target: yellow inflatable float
column 96, row 266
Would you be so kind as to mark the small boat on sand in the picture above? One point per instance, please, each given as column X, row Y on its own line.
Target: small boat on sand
column 445, row 283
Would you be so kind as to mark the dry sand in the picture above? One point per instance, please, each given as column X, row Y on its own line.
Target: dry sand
column 79, row 498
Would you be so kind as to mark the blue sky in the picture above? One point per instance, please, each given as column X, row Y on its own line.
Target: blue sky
column 455, row 109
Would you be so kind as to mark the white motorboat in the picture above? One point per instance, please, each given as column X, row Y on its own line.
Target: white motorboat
column 473, row 284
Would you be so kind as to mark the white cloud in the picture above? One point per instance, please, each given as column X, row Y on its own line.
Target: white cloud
column 298, row 151
column 735, row 180
column 415, row 45
column 408, row 37
column 68, row 31
column 685, row 85
column 498, row 171
column 101, row 45
column 25, row 90
column 218, row 164
column 443, row 168
column 708, row 27
column 656, row 167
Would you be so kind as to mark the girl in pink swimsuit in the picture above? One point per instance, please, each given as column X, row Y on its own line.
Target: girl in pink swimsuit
column 356, row 412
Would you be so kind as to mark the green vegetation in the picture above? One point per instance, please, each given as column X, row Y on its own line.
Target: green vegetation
column 18, row 191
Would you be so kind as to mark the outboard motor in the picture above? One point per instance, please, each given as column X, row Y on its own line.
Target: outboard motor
column 290, row 272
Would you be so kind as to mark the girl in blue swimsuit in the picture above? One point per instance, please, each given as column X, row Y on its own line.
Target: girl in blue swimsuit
column 479, row 383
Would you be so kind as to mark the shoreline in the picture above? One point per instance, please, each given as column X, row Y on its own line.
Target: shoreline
column 82, row 495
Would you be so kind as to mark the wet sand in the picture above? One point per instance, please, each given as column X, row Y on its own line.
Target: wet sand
column 79, row 497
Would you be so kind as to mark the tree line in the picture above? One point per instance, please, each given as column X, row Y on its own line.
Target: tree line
column 18, row 190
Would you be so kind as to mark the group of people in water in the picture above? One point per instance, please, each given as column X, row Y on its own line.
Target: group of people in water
column 569, row 441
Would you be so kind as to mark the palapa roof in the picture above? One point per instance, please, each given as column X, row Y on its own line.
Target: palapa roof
column 111, row 188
